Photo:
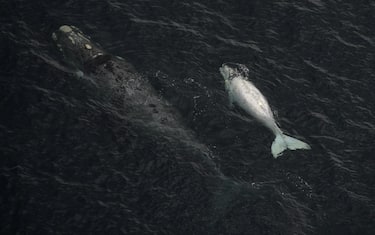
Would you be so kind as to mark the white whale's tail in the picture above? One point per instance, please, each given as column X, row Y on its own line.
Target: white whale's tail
column 283, row 142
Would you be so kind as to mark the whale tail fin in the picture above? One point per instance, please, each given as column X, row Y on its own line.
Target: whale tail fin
column 283, row 142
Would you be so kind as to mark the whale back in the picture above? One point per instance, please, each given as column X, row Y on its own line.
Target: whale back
column 246, row 95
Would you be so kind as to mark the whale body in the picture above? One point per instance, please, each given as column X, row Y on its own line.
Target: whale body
column 243, row 93
column 115, row 81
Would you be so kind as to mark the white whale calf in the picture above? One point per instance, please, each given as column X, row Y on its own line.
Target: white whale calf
column 242, row 92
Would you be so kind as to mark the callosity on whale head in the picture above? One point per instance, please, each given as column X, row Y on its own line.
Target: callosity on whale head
column 232, row 70
column 77, row 49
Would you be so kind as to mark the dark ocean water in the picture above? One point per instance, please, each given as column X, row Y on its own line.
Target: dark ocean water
column 72, row 163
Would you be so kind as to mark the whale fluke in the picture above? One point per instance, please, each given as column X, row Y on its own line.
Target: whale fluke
column 283, row 142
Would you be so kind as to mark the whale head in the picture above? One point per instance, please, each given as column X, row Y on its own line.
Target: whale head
column 77, row 48
column 232, row 70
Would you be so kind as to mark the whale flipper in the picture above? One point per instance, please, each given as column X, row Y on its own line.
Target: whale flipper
column 283, row 142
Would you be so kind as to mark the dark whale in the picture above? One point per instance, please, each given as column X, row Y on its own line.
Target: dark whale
column 123, row 86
